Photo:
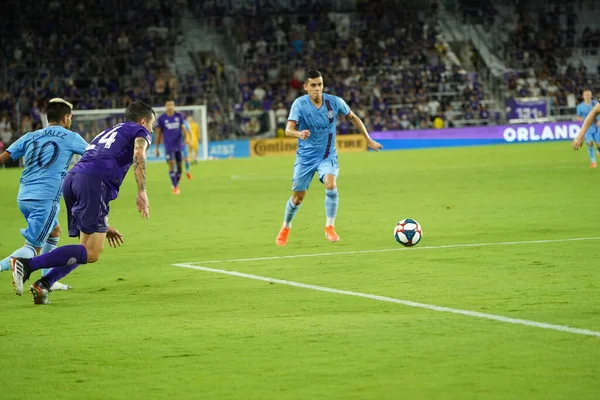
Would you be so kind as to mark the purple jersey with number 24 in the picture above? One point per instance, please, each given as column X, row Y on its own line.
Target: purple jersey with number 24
column 110, row 154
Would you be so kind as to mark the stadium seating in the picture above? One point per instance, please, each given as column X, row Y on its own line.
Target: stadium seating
column 109, row 54
column 389, row 61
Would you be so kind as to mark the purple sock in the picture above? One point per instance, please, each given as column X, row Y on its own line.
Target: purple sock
column 60, row 257
column 56, row 274
column 177, row 177
column 173, row 178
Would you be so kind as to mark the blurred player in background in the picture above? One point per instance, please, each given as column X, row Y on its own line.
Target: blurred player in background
column 187, row 141
column 47, row 155
column 195, row 131
column 88, row 188
column 312, row 120
column 593, row 133
column 171, row 129
column 588, row 122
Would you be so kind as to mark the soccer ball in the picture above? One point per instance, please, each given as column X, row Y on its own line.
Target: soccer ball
column 408, row 232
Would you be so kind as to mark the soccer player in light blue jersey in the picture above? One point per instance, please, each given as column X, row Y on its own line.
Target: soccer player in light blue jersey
column 588, row 122
column 47, row 154
column 593, row 133
column 312, row 120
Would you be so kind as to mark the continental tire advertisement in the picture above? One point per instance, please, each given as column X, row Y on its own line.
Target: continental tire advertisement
column 286, row 146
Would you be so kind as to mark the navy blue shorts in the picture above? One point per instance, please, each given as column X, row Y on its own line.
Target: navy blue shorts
column 86, row 198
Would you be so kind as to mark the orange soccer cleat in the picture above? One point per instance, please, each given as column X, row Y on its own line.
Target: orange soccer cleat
column 282, row 237
column 176, row 190
column 593, row 165
column 189, row 176
column 330, row 234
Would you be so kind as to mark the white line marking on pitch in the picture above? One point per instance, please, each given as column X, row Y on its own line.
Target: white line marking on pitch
column 408, row 303
column 256, row 178
column 448, row 246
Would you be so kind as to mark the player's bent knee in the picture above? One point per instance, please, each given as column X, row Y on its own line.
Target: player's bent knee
column 329, row 182
column 93, row 243
column 298, row 198
column 93, row 255
column 56, row 231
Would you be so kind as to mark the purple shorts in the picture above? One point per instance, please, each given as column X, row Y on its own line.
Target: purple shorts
column 86, row 198
column 174, row 155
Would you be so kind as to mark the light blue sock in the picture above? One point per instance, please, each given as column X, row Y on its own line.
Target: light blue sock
column 4, row 265
column 290, row 211
column 331, row 205
column 592, row 153
column 27, row 251
column 49, row 245
column 187, row 166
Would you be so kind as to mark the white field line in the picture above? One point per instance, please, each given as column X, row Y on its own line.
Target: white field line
column 257, row 178
column 399, row 248
column 468, row 313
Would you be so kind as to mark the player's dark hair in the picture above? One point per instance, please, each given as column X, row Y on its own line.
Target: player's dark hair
column 311, row 74
column 170, row 99
column 138, row 110
column 55, row 111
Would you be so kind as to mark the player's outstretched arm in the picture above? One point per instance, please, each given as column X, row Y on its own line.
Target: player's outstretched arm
column 139, row 169
column 291, row 130
column 589, row 120
column 4, row 157
column 358, row 124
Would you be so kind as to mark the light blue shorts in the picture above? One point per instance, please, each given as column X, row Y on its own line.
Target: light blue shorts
column 185, row 152
column 42, row 217
column 591, row 136
column 303, row 173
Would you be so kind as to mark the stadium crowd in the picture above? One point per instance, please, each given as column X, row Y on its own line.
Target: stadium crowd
column 389, row 63
column 539, row 51
column 541, row 44
column 110, row 54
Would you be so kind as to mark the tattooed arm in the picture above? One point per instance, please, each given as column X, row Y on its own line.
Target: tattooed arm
column 139, row 169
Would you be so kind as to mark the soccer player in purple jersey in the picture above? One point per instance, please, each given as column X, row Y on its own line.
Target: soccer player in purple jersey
column 171, row 125
column 312, row 120
column 88, row 189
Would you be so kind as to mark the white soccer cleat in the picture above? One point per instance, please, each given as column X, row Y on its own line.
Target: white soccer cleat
column 59, row 286
column 39, row 293
column 20, row 273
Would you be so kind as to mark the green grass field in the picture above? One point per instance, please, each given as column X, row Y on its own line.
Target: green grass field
column 137, row 327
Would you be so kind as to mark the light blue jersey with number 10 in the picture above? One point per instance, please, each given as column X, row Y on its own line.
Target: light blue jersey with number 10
column 47, row 154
